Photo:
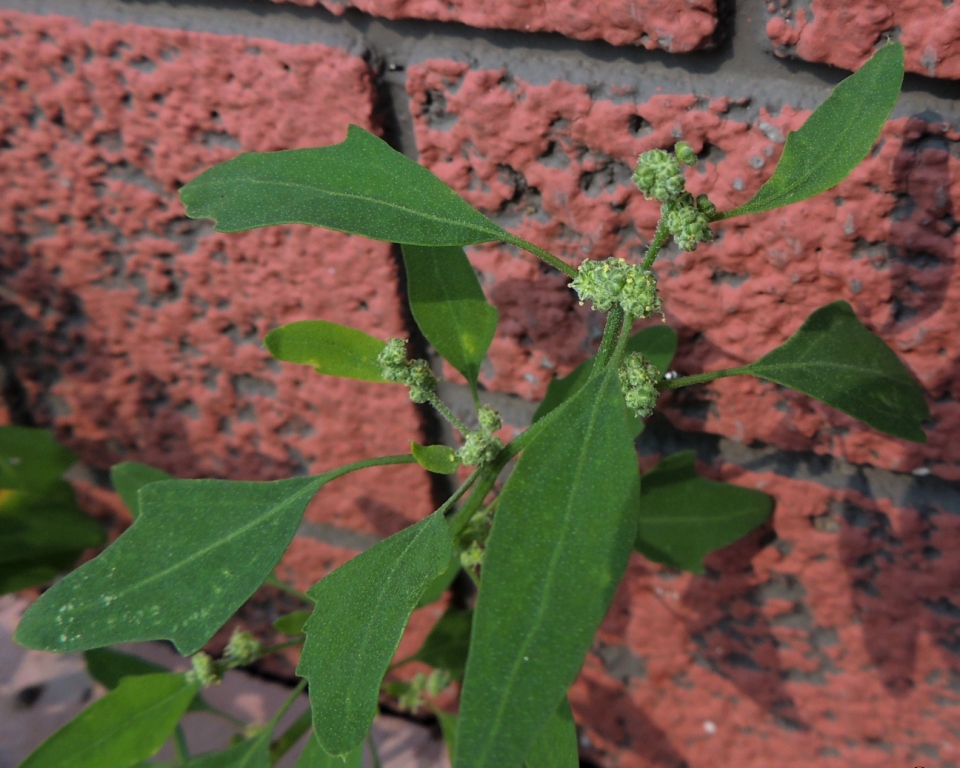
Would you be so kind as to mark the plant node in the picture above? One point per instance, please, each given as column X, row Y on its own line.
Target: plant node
column 480, row 447
column 613, row 281
column 638, row 381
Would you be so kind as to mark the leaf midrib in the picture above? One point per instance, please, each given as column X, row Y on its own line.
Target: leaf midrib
column 354, row 196
column 757, row 367
column 568, row 516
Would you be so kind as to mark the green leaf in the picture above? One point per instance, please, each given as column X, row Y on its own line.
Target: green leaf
column 361, row 186
column 292, row 623
column 250, row 753
column 441, row 584
column 836, row 137
column 684, row 517
column 31, row 460
column 335, row 350
column 836, row 360
column 449, row 306
column 657, row 343
column 41, row 534
column 108, row 667
column 124, row 727
column 448, row 729
column 440, row 459
column 198, row 550
column 360, row 612
column 556, row 746
column 313, row 756
column 560, row 542
column 448, row 642
column 129, row 477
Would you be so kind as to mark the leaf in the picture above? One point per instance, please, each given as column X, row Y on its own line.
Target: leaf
column 313, row 756
column 439, row 459
column 250, row 753
column 124, row 727
column 108, row 667
column 449, row 306
column 335, row 350
column 31, row 460
column 448, row 729
column 361, row 186
column 836, row 137
column 129, row 477
column 41, row 534
column 441, row 584
column 292, row 623
column 657, row 343
column 556, row 745
column 198, row 550
column 684, row 517
column 560, row 542
column 836, row 360
column 360, row 612
column 448, row 642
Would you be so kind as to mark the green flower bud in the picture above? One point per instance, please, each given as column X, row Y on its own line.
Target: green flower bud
column 489, row 419
column 205, row 670
column 479, row 448
column 688, row 224
column 437, row 681
column 421, row 381
column 393, row 360
column 243, row 648
column 472, row 556
column 685, row 153
column 416, row 374
column 638, row 381
column 706, row 207
column 658, row 175
column 613, row 281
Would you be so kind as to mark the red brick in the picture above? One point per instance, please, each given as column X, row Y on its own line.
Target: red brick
column 832, row 647
column 136, row 332
column 845, row 34
column 673, row 25
column 554, row 163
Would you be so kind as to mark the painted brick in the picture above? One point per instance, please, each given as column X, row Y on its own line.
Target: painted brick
column 135, row 331
column 845, row 34
column 677, row 26
column 553, row 164
column 837, row 644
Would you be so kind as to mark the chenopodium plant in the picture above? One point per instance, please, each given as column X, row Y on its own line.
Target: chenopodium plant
column 546, row 553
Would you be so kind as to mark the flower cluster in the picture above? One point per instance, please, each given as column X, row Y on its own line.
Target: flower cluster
column 243, row 649
column 689, row 220
column 613, row 281
column 416, row 374
column 480, row 446
column 205, row 670
column 638, row 381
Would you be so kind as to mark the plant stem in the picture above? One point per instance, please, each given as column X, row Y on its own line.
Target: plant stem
column 273, row 581
column 611, row 334
column 458, row 494
column 180, row 744
column 285, row 741
column 398, row 664
column 373, row 752
column 701, row 378
column 548, row 257
column 291, row 699
column 437, row 403
column 660, row 237
column 226, row 716
column 485, row 479
column 279, row 647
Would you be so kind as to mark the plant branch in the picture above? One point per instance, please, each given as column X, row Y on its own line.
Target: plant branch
column 273, row 581
column 701, row 378
column 285, row 741
column 548, row 257
column 180, row 744
column 611, row 334
column 458, row 494
column 660, row 237
column 444, row 411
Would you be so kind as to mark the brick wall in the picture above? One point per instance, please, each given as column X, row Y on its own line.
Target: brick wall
column 831, row 639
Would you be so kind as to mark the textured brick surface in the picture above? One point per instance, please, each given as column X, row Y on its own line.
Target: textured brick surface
column 845, row 34
column 673, row 25
column 136, row 332
column 553, row 163
column 836, row 645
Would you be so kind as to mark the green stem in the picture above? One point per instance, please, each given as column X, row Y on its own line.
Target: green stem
column 398, row 664
column 660, row 237
column 486, row 477
column 279, row 647
column 548, row 257
column 285, row 741
column 611, row 335
column 701, row 378
column 373, row 752
column 291, row 699
column 180, row 744
column 226, row 716
column 273, row 581
column 437, row 403
column 458, row 494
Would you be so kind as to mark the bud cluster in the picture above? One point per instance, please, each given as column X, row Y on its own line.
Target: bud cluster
column 242, row 650
column 410, row 696
column 613, row 281
column 480, row 446
column 638, row 381
column 205, row 670
column 660, row 177
column 416, row 374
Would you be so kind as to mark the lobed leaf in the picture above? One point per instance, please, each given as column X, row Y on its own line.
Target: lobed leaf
column 449, row 306
column 683, row 517
column 313, row 756
column 835, row 359
column 126, row 726
column 198, row 550
column 561, row 538
column 836, row 137
column 441, row 583
column 335, row 350
column 361, row 186
column 360, row 613
column 129, row 477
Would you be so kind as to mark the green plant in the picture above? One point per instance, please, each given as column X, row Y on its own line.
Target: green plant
column 546, row 553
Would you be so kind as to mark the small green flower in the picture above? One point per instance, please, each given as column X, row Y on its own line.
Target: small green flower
column 658, row 175
column 205, row 670
column 416, row 374
column 490, row 420
column 613, row 281
column 243, row 648
column 687, row 221
column 479, row 448
column 638, row 381
column 685, row 153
